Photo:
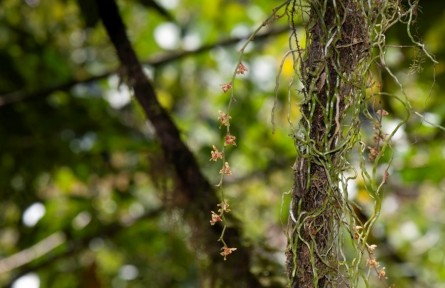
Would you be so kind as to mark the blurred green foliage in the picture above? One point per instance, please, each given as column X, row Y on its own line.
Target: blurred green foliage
column 89, row 156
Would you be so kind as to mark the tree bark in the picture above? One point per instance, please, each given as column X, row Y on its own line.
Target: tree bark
column 337, row 43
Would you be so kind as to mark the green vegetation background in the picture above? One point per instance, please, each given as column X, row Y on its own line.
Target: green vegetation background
column 87, row 156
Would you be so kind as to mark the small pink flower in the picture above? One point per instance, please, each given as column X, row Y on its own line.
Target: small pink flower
column 224, row 207
column 226, row 251
column 215, row 218
column 216, row 154
column 372, row 263
column 229, row 140
column 382, row 112
column 241, row 69
column 226, row 169
column 226, row 87
column 372, row 248
column 224, row 118
column 373, row 153
column 381, row 273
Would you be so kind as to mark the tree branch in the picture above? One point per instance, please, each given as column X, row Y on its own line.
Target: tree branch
column 32, row 253
column 19, row 96
column 194, row 195
column 26, row 264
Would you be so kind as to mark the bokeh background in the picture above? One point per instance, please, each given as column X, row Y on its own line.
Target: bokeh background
column 84, row 198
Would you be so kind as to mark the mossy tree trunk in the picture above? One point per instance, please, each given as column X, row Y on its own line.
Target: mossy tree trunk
column 337, row 48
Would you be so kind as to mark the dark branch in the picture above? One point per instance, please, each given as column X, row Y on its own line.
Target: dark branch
column 19, row 96
column 194, row 194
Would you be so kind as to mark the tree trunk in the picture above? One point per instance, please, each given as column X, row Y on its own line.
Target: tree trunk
column 337, row 44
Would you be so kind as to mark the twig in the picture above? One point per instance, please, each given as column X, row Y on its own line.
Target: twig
column 158, row 61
